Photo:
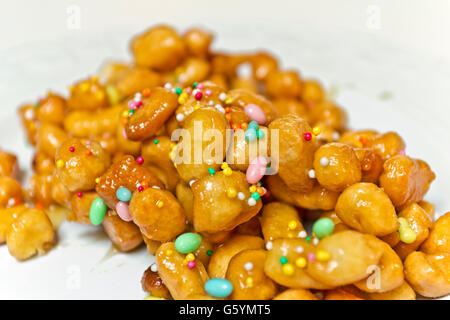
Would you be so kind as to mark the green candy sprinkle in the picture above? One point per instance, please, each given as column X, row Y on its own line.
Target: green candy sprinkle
column 256, row 196
column 260, row 134
column 323, row 227
column 155, row 141
column 209, row 252
column 97, row 211
column 308, row 239
column 195, row 85
column 188, row 242
column 283, row 260
column 211, row 171
column 178, row 91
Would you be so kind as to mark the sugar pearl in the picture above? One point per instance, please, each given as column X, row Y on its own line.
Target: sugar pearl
column 269, row 245
column 180, row 117
column 248, row 266
column 154, row 267
column 324, row 161
column 241, row 196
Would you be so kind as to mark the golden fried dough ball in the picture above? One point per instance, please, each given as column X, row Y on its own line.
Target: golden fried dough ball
column 263, row 63
column 286, row 84
column 158, row 214
column 8, row 164
column 51, row 109
column 419, row 221
column 186, row 198
column 358, row 139
column 79, row 163
column 351, row 254
column 387, row 145
column 111, row 71
column 10, row 192
column 367, row 208
column 150, row 117
column 428, row 207
column 248, row 84
column 7, row 216
column 125, row 236
column 295, row 152
column 296, row 294
column 280, row 220
column 252, row 227
column 222, row 255
column 152, row 245
column 197, row 163
column 159, row 48
column 286, row 106
column 336, row 166
column 439, row 239
column 128, row 173
column 240, row 98
column 388, row 273
column 86, row 124
column 59, row 192
column 403, row 292
column 43, row 164
column 197, row 42
column 87, row 94
column 222, row 202
column 246, row 274
column 28, row 117
column 135, row 80
column 371, row 165
column 40, row 189
column 30, row 233
column 218, row 238
column 227, row 64
column 80, row 204
column 341, row 293
column 317, row 198
column 49, row 137
column 286, row 264
column 312, row 92
column 329, row 115
column 428, row 275
column 180, row 280
column 152, row 283
column 156, row 151
column 405, row 180
column 193, row 70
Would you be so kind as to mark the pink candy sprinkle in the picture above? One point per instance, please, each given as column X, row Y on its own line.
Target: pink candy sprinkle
column 402, row 152
column 140, row 160
column 255, row 113
column 71, row 149
column 311, row 257
column 123, row 211
column 188, row 90
column 191, row 265
column 200, row 86
column 132, row 105
column 208, row 92
column 256, row 169
column 198, row 95
column 79, row 194
column 140, row 188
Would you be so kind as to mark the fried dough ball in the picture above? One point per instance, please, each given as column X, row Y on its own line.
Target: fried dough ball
column 405, row 180
column 263, row 63
column 286, row 264
column 186, row 198
column 79, row 163
column 10, row 192
column 387, row 145
column 280, row 220
column 246, row 274
column 152, row 283
column 240, row 98
column 7, row 216
column 286, row 106
column 152, row 245
column 126, row 172
column 336, row 166
column 40, row 189
column 193, row 70
column 28, row 117
column 43, row 164
column 136, row 79
column 341, row 293
column 49, row 137
column 403, row 292
column 351, row 255
column 312, row 92
column 328, row 114
column 197, row 42
column 196, row 163
column 149, row 118
column 248, row 84
column 286, row 84
column 217, row 206
column 295, row 153
column 366, row 208
column 111, row 71
column 296, row 294
column 181, row 281
column 158, row 214
column 157, row 152
column 317, row 198
column 252, row 227
column 371, row 165
column 439, row 239
column 429, row 275
column 31, row 233
column 8, row 164
column 87, row 94
column 420, row 223
column 358, row 139
column 159, row 48
column 222, row 255
column 388, row 273
column 428, row 207
column 125, row 236
column 51, row 109
column 80, row 204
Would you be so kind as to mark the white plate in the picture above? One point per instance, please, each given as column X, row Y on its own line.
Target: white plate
column 381, row 86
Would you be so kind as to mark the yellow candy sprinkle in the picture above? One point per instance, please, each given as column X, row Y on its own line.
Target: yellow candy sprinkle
column 85, row 86
column 173, row 145
column 300, row 262
column 113, row 94
column 97, row 180
column 288, row 269
column 227, row 171
column 249, row 282
column 231, row 192
column 100, row 95
column 224, row 165
column 190, row 257
column 184, row 95
column 196, row 107
column 160, row 204
column 60, row 163
column 181, row 100
column 292, row 224
column 323, row 256
column 184, row 262
column 228, row 100
column 252, row 189
column 290, row 235
column 316, row 131
column 169, row 252
column 125, row 114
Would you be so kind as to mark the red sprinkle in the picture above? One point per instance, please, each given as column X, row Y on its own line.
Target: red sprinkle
column 198, row 95
column 191, row 265
column 71, row 149
column 79, row 194
column 140, row 160
column 308, row 136
column 140, row 188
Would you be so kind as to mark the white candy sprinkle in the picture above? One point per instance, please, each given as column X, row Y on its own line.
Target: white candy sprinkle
column 269, row 245
column 251, row 202
column 156, row 187
column 211, row 102
column 302, row 234
column 168, row 86
column 312, row 173
column 335, row 135
column 248, row 266
column 241, row 196
column 180, row 117
column 219, row 108
column 315, row 241
column 324, row 161
column 154, row 267
column 299, row 249
column 222, row 96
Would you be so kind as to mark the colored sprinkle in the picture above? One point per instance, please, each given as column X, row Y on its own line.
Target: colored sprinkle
column 140, row 160
column 178, row 91
column 249, row 282
column 195, row 85
column 302, row 234
column 316, row 131
column 251, row 202
column 252, row 189
column 198, row 95
column 146, row 92
column 123, row 194
column 180, row 117
column 260, row 134
column 324, row 161
column 218, row 288
column 211, row 171
column 283, row 260
column 308, row 239
column 71, row 149
column 140, row 188
column 227, row 171
column 248, row 266
column 60, row 163
column 209, row 252
column 191, row 265
column 308, row 136
column 323, row 256
column 269, row 245
column 97, row 211
column 188, row 242
column 97, row 180
column 256, row 196
column 200, row 86
column 169, row 252
column 88, row 152
column 241, row 196
column 79, row 194
column 300, row 262
column 231, row 192
column 311, row 257
column 292, row 224
column 224, row 166
column 288, row 269
column 312, row 173
column 160, row 204
column 323, row 227
column 154, row 267
column 155, row 141
column 190, row 257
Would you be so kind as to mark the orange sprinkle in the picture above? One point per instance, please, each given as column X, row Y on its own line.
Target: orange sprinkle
column 124, row 121
column 244, row 125
column 88, row 152
column 260, row 191
column 39, row 205
column 364, row 140
column 146, row 92
column 227, row 109
column 144, row 183
column 235, row 126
